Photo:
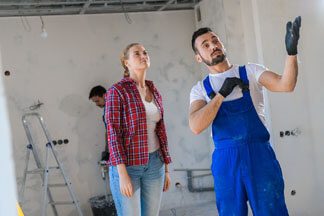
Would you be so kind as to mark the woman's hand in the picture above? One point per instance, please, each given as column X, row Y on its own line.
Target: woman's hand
column 125, row 182
column 167, row 182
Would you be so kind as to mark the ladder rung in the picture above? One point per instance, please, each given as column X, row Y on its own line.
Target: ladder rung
column 40, row 170
column 57, row 185
column 35, row 171
column 62, row 203
column 55, row 167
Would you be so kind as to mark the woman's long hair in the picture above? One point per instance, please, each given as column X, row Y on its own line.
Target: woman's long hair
column 124, row 56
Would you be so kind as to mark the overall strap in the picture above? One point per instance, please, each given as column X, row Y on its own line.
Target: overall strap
column 243, row 76
column 209, row 90
column 104, row 117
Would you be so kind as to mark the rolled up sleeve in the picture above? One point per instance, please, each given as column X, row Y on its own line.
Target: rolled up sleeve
column 113, row 118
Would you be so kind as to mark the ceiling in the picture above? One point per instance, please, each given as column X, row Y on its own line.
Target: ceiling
column 10, row 8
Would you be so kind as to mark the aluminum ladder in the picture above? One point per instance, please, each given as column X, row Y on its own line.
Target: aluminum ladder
column 44, row 171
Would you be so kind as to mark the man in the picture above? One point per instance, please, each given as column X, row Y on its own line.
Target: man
column 97, row 95
column 230, row 99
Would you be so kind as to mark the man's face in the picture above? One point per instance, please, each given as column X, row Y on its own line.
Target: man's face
column 210, row 49
column 99, row 101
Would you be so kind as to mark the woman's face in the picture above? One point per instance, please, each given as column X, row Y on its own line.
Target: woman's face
column 138, row 58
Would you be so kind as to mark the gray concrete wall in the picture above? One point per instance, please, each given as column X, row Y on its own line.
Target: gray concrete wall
column 83, row 51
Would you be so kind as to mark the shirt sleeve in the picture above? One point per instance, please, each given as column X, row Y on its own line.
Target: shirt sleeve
column 258, row 69
column 113, row 118
column 197, row 93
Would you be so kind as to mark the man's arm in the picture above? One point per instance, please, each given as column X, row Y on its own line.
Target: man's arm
column 201, row 114
column 287, row 81
column 281, row 83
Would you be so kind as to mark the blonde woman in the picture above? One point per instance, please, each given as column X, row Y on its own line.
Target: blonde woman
column 137, row 139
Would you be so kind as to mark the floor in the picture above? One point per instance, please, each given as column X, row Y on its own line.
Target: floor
column 206, row 209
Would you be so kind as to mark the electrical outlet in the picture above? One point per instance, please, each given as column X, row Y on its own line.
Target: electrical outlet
column 294, row 132
column 60, row 141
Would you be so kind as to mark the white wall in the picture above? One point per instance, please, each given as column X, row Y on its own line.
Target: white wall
column 83, row 51
column 8, row 197
column 253, row 31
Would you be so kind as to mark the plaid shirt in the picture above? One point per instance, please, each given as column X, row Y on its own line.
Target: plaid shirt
column 126, row 125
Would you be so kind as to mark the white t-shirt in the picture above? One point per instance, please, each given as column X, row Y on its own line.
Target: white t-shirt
column 253, row 71
column 153, row 116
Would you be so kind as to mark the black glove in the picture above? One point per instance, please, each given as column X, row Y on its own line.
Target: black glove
column 229, row 84
column 292, row 36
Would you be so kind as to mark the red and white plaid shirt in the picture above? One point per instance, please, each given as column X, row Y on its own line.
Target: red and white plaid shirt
column 126, row 124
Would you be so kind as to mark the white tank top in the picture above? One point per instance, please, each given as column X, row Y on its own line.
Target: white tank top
column 152, row 117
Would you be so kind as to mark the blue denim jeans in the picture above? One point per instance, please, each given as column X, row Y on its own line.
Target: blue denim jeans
column 147, row 181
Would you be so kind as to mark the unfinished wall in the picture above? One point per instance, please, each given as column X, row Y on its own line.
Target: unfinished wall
column 79, row 53
column 253, row 31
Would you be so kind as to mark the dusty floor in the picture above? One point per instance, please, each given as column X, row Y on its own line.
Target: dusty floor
column 206, row 209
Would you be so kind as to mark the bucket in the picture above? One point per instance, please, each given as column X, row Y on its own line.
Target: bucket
column 102, row 206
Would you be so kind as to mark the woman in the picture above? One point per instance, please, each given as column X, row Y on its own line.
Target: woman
column 137, row 140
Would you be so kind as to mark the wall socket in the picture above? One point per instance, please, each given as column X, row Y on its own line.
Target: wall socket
column 60, row 141
column 294, row 132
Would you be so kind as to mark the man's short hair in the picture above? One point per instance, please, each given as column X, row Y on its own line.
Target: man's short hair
column 97, row 91
column 196, row 34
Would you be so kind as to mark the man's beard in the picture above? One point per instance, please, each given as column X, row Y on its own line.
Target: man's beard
column 218, row 59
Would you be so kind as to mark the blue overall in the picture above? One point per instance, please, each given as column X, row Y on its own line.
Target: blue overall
column 244, row 165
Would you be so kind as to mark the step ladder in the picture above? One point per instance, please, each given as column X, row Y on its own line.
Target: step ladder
column 44, row 171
